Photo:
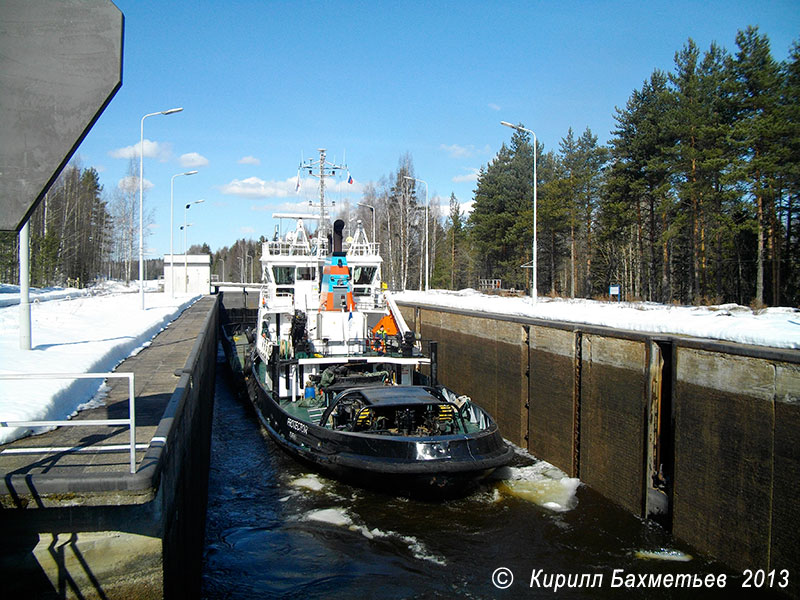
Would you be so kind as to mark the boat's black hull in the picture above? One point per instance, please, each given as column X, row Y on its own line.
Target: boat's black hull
column 436, row 465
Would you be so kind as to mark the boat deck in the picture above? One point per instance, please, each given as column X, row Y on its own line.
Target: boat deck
column 296, row 408
column 313, row 414
column 303, row 413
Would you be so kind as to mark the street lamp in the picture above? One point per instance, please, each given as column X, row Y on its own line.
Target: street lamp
column 534, row 292
column 185, row 248
column 426, row 226
column 171, row 230
column 372, row 208
column 184, row 228
column 251, row 266
column 141, row 194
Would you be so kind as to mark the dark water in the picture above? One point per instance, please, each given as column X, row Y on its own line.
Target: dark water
column 274, row 530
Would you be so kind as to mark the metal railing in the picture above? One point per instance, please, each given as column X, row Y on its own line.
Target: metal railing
column 130, row 421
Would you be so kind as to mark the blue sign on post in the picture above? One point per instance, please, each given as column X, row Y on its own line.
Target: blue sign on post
column 614, row 290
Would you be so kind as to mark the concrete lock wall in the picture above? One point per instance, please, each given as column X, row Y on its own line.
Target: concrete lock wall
column 184, row 476
column 554, row 400
column 612, row 417
column 497, row 359
column 737, row 459
column 118, row 535
column 701, row 436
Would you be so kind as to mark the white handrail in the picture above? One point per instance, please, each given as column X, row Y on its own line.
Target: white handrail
column 130, row 421
column 398, row 317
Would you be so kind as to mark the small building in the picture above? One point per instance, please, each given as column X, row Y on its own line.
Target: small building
column 189, row 274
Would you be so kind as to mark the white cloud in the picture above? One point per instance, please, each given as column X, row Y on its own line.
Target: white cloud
column 493, row 106
column 160, row 150
column 193, row 159
column 466, row 207
column 247, row 229
column 471, row 176
column 458, row 151
column 253, row 187
column 249, row 160
column 130, row 184
column 286, row 207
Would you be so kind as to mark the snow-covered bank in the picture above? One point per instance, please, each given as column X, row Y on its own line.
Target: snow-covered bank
column 9, row 294
column 86, row 333
column 774, row 327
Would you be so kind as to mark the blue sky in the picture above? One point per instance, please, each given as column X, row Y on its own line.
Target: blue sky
column 263, row 82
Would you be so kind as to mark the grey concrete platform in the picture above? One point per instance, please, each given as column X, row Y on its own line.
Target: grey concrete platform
column 71, row 475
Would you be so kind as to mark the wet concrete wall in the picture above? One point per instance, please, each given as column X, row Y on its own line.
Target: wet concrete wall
column 612, row 416
column 737, row 457
column 703, row 437
column 554, row 402
column 486, row 360
column 184, row 466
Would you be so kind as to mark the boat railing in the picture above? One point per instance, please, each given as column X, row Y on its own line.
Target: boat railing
column 130, row 421
column 367, row 301
column 304, row 248
column 364, row 249
column 282, row 299
column 293, row 248
column 389, row 347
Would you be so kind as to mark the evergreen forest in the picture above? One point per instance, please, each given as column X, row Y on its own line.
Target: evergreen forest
column 80, row 234
column 694, row 200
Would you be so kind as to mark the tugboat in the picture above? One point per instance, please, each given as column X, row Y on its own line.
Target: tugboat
column 334, row 372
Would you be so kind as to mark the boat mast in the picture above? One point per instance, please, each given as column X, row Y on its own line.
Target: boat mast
column 326, row 169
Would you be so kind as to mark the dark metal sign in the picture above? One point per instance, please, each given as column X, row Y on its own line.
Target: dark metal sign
column 60, row 66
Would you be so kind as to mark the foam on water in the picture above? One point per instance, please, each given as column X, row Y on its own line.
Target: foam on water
column 332, row 516
column 540, row 483
column 663, row 554
column 417, row 548
column 339, row 517
column 309, row 481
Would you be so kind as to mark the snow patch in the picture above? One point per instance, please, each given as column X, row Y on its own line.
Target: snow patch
column 775, row 327
column 94, row 332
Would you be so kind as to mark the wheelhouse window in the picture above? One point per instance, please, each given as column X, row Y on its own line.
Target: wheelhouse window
column 283, row 275
column 363, row 275
column 305, row 273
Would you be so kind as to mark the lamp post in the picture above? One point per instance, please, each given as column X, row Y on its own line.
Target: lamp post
column 185, row 248
column 534, row 292
column 171, row 230
column 183, row 228
column 426, row 226
column 372, row 208
column 141, row 194
column 251, row 266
